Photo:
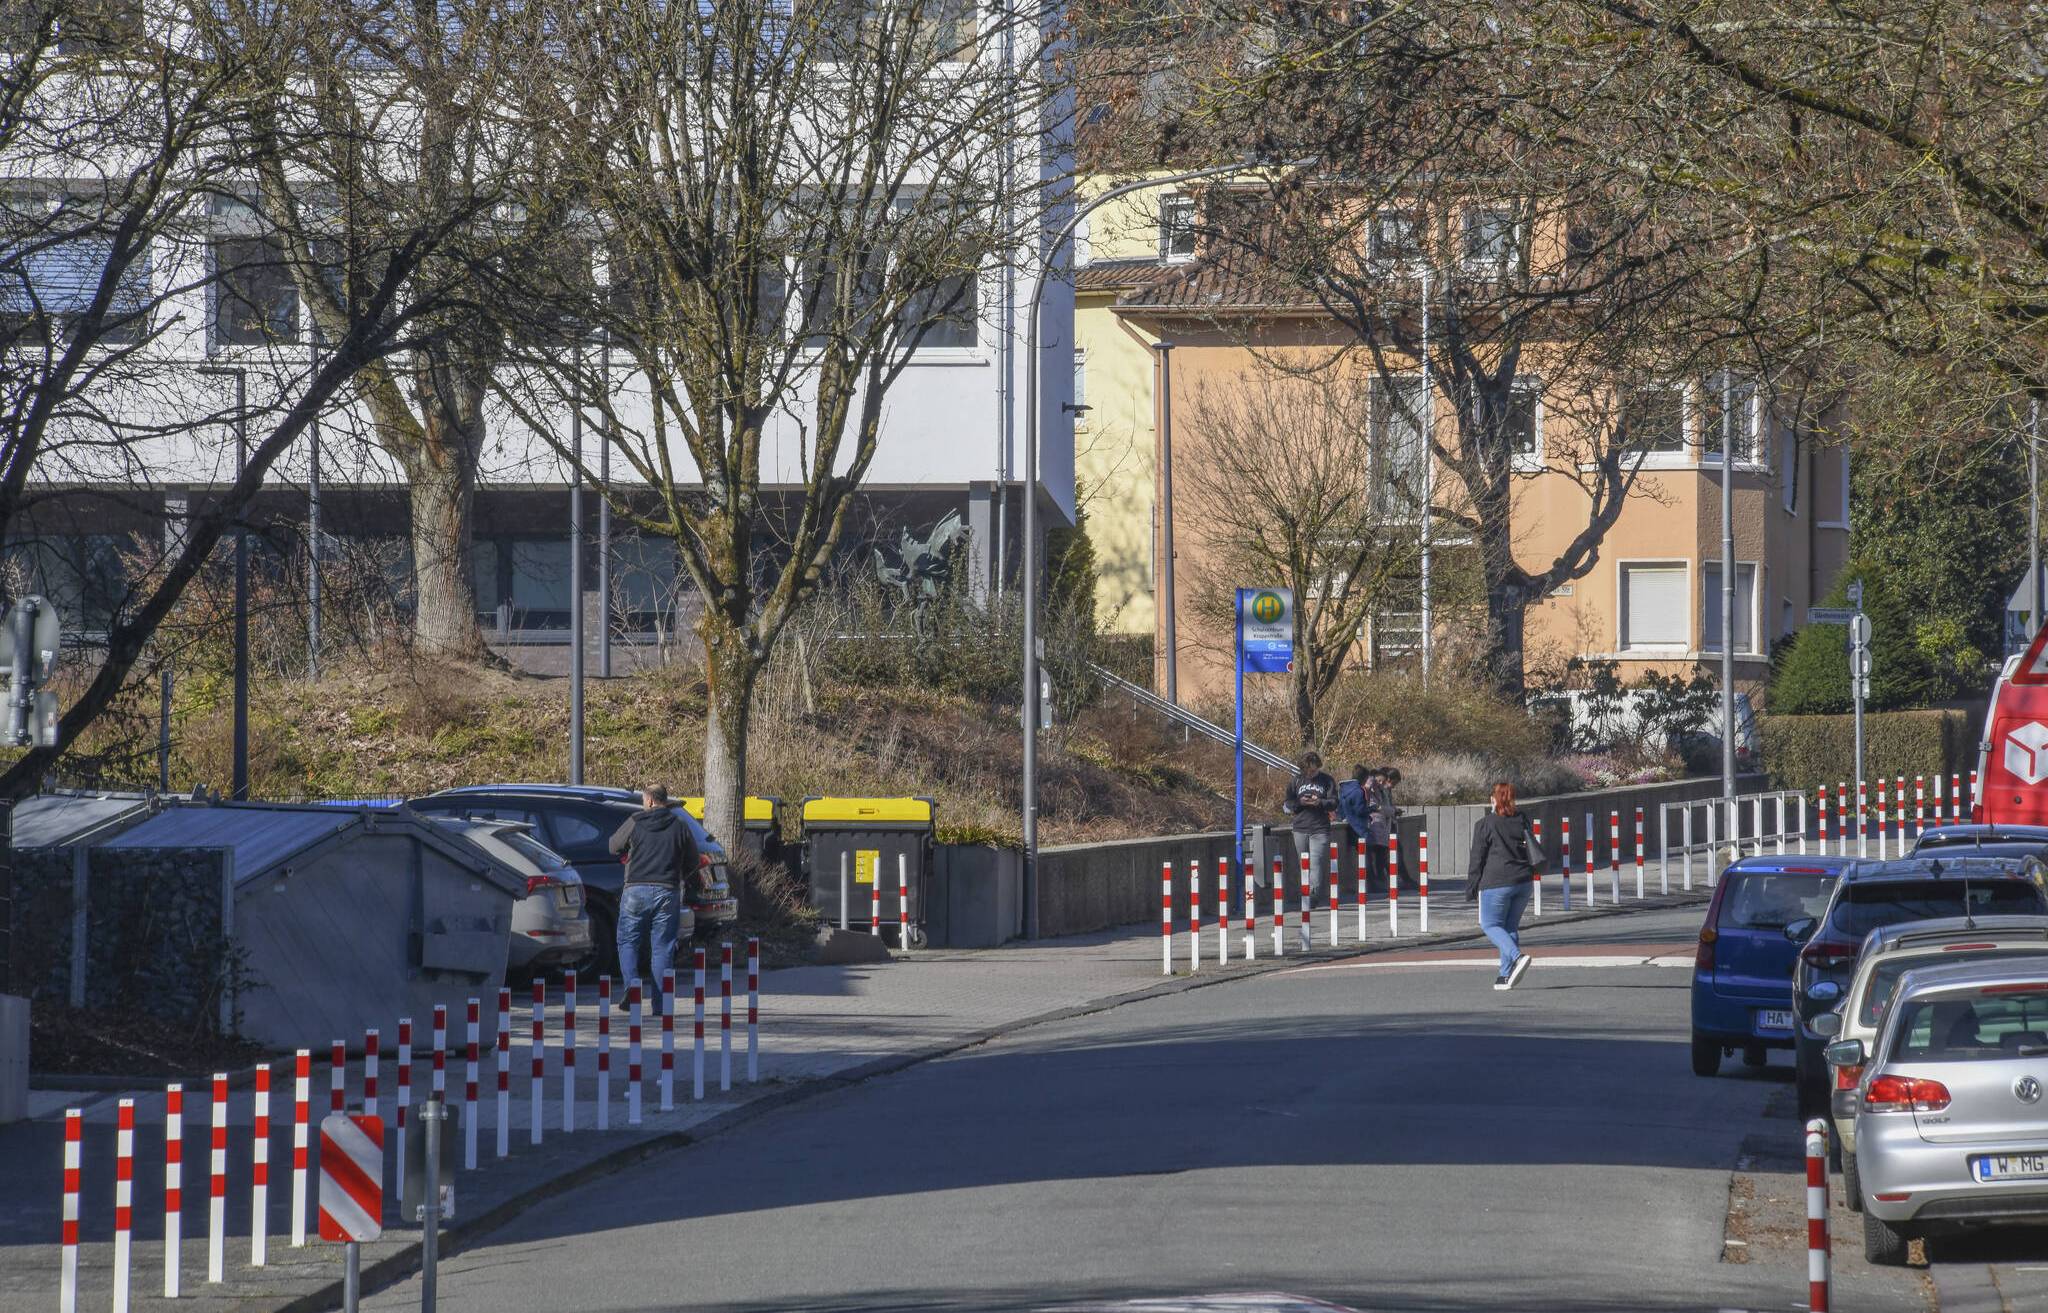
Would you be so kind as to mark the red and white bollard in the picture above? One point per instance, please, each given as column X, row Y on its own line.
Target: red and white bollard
column 537, row 1063
column 697, row 1063
column 1364, row 891
column 1817, row 1215
column 1536, row 877
column 1422, row 884
column 1279, row 907
column 1842, row 835
column 1613, row 856
column 302, row 1110
column 124, row 1200
column 439, row 1084
column 1194, row 915
column 875, row 898
column 1222, row 911
column 604, row 1053
column 1823, row 811
column 1637, row 851
column 1862, row 818
column 404, row 1093
column 1589, row 859
column 753, row 1010
column 1564, row 860
column 633, row 1052
column 1166, row 917
column 1306, row 908
column 1956, row 810
column 472, row 1018
column 1884, row 838
column 903, row 902
column 568, row 1050
column 668, row 1040
column 724, row 1017
column 1899, row 812
column 371, row 1041
column 1332, row 874
column 502, row 1048
column 1393, row 881
column 1251, row 913
column 1939, row 794
column 74, row 1133
column 259, row 1174
column 337, row 1076
column 217, row 1185
column 1919, row 805
column 174, row 1185
column 1975, row 798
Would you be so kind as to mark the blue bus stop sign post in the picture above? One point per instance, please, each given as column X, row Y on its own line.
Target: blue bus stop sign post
column 1265, row 646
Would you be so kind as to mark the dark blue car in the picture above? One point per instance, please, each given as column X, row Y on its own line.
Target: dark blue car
column 1742, row 975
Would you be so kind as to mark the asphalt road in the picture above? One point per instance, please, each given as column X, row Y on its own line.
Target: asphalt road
column 1381, row 1137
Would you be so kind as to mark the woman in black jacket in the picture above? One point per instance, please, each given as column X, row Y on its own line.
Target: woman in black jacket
column 1505, row 860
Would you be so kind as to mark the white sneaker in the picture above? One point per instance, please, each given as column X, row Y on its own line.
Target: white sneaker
column 1515, row 972
column 1502, row 981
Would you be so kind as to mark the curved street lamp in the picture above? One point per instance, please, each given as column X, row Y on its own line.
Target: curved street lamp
column 1030, row 562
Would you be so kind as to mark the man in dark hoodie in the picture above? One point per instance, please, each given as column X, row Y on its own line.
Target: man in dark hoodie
column 661, row 852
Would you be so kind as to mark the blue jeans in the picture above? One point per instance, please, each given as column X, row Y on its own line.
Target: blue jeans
column 649, row 910
column 1500, row 916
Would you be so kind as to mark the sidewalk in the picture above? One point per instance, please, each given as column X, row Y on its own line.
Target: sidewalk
column 821, row 1027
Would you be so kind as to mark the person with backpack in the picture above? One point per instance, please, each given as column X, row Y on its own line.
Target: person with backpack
column 1505, row 859
column 1355, row 805
column 661, row 853
column 1312, row 801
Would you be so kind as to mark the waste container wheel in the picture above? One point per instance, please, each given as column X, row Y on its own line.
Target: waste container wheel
column 917, row 936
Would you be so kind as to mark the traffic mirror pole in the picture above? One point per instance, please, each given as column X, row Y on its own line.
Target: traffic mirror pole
column 432, row 1113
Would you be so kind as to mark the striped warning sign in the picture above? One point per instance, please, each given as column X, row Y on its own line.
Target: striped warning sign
column 351, row 1177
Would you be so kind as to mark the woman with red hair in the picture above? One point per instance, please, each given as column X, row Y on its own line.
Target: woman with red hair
column 1505, row 860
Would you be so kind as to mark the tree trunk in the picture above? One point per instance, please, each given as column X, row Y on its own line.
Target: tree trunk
column 1507, row 603
column 731, row 670
column 1304, row 705
column 440, row 465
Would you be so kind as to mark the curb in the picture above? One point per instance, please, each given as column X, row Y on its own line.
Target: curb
column 459, row 1236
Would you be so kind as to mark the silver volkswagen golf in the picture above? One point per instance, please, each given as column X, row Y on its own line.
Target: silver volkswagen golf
column 1951, row 1125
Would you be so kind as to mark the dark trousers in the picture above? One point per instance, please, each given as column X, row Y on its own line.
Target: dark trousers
column 1377, row 869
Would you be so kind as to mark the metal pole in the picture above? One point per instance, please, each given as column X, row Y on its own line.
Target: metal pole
column 2040, row 585
column 1428, row 477
column 432, row 1114
column 1166, row 590
column 576, row 642
column 604, row 510
column 163, row 731
column 1727, row 591
column 352, row 1277
column 313, row 538
column 1029, row 575
column 241, row 764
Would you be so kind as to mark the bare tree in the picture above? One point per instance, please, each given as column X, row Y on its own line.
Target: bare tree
column 1281, row 486
column 788, row 204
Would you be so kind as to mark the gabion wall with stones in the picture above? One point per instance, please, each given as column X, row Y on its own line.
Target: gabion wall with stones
column 153, row 930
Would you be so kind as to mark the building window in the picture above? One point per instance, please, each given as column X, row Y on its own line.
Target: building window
column 1745, row 607
column 1397, row 237
column 1177, row 227
column 1493, row 240
column 1080, row 384
column 944, row 314
column 1397, row 456
column 43, row 293
column 1654, row 607
column 255, row 302
column 1524, row 423
column 1652, row 420
column 1735, row 403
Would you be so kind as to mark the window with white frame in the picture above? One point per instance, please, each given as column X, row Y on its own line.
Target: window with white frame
column 1080, row 384
column 1177, row 227
column 1731, row 411
column 1652, row 420
column 1493, row 239
column 59, row 257
column 1655, row 606
column 1397, row 236
column 1398, row 463
column 1745, row 608
column 1524, row 420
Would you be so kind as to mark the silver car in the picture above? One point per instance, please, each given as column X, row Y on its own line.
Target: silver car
column 1951, row 1127
column 551, row 925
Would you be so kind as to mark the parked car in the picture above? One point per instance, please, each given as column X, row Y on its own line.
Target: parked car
column 1870, row 895
column 578, row 822
column 1887, row 954
column 1742, row 972
column 1987, row 840
column 1950, row 1125
column 551, row 925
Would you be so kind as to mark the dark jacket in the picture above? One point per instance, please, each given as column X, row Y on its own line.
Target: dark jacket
column 1355, row 805
column 659, row 848
column 1310, row 800
column 1504, row 853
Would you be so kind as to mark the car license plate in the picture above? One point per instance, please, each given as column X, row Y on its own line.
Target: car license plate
column 572, row 895
column 1773, row 1019
column 2010, row 1167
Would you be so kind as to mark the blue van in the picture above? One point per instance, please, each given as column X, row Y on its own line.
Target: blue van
column 1742, row 973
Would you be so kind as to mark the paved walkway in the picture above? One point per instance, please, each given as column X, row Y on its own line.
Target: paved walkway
column 820, row 1027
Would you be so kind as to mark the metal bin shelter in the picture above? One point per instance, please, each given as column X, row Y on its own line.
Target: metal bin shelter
column 872, row 836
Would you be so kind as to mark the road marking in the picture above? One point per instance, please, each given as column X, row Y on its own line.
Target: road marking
column 1668, row 961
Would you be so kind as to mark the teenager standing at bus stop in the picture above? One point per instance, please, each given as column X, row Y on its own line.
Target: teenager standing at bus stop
column 1311, row 801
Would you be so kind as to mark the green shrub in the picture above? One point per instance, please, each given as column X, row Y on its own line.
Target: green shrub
column 1810, row 676
column 1803, row 752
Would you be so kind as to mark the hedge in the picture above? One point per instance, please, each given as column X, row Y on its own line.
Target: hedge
column 1804, row 752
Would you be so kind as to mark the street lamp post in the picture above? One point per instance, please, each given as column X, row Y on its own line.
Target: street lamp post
column 576, row 572
column 239, row 784
column 1028, row 575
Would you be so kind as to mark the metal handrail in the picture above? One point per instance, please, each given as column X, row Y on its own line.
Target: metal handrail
column 1182, row 716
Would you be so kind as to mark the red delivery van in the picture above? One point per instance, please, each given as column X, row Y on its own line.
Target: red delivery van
column 2012, row 758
